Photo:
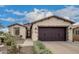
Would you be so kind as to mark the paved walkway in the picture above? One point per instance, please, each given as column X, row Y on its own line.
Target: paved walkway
column 58, row 47
column 27, row 42
column 27, row 47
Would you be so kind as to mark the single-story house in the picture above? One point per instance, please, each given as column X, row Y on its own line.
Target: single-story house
column 52, row 28
column 76, row 32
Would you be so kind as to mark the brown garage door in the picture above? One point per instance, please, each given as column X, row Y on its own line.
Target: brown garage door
column 52, row 33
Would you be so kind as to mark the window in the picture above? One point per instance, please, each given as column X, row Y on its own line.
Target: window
column 17, row 30
column 28, row 33
column 76, row 32
column 73, row 31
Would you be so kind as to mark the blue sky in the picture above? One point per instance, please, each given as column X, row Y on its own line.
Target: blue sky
column 10, row 14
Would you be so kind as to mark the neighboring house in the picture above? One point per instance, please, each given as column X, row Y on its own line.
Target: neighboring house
column 76, row 32
column 51, row 28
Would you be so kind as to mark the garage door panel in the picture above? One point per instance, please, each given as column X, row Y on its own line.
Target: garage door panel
column 52, row 33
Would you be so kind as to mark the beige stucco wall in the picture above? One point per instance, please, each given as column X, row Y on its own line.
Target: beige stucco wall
column 51, row 22
column 75, row 36
column 22, row 31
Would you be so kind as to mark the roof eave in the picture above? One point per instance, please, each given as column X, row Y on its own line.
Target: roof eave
column 72, row 22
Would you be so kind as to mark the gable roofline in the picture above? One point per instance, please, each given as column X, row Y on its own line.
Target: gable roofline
column 16, row 24
column 61, row 18
column 26, row 23
column 46, row 18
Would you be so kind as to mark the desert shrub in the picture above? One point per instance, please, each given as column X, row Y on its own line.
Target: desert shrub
column 1, row 32
column 39, row 48
column 13, row 49
column 10, row 42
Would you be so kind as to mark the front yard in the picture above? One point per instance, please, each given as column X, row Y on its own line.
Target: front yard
column 16, row 45
column 12, row 45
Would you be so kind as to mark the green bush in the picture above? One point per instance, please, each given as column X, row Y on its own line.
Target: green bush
column 39, row 48
column 1, row 32
column 11, row 45
column 13, row 49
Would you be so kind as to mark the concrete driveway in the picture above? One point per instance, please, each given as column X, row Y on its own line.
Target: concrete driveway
column 61, row 47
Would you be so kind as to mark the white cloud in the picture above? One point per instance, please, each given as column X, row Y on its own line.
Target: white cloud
column 37, row 14
column 4, row 29
column 69, row 12
column 8, row 19
column 77, row 23
column 16, row 12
